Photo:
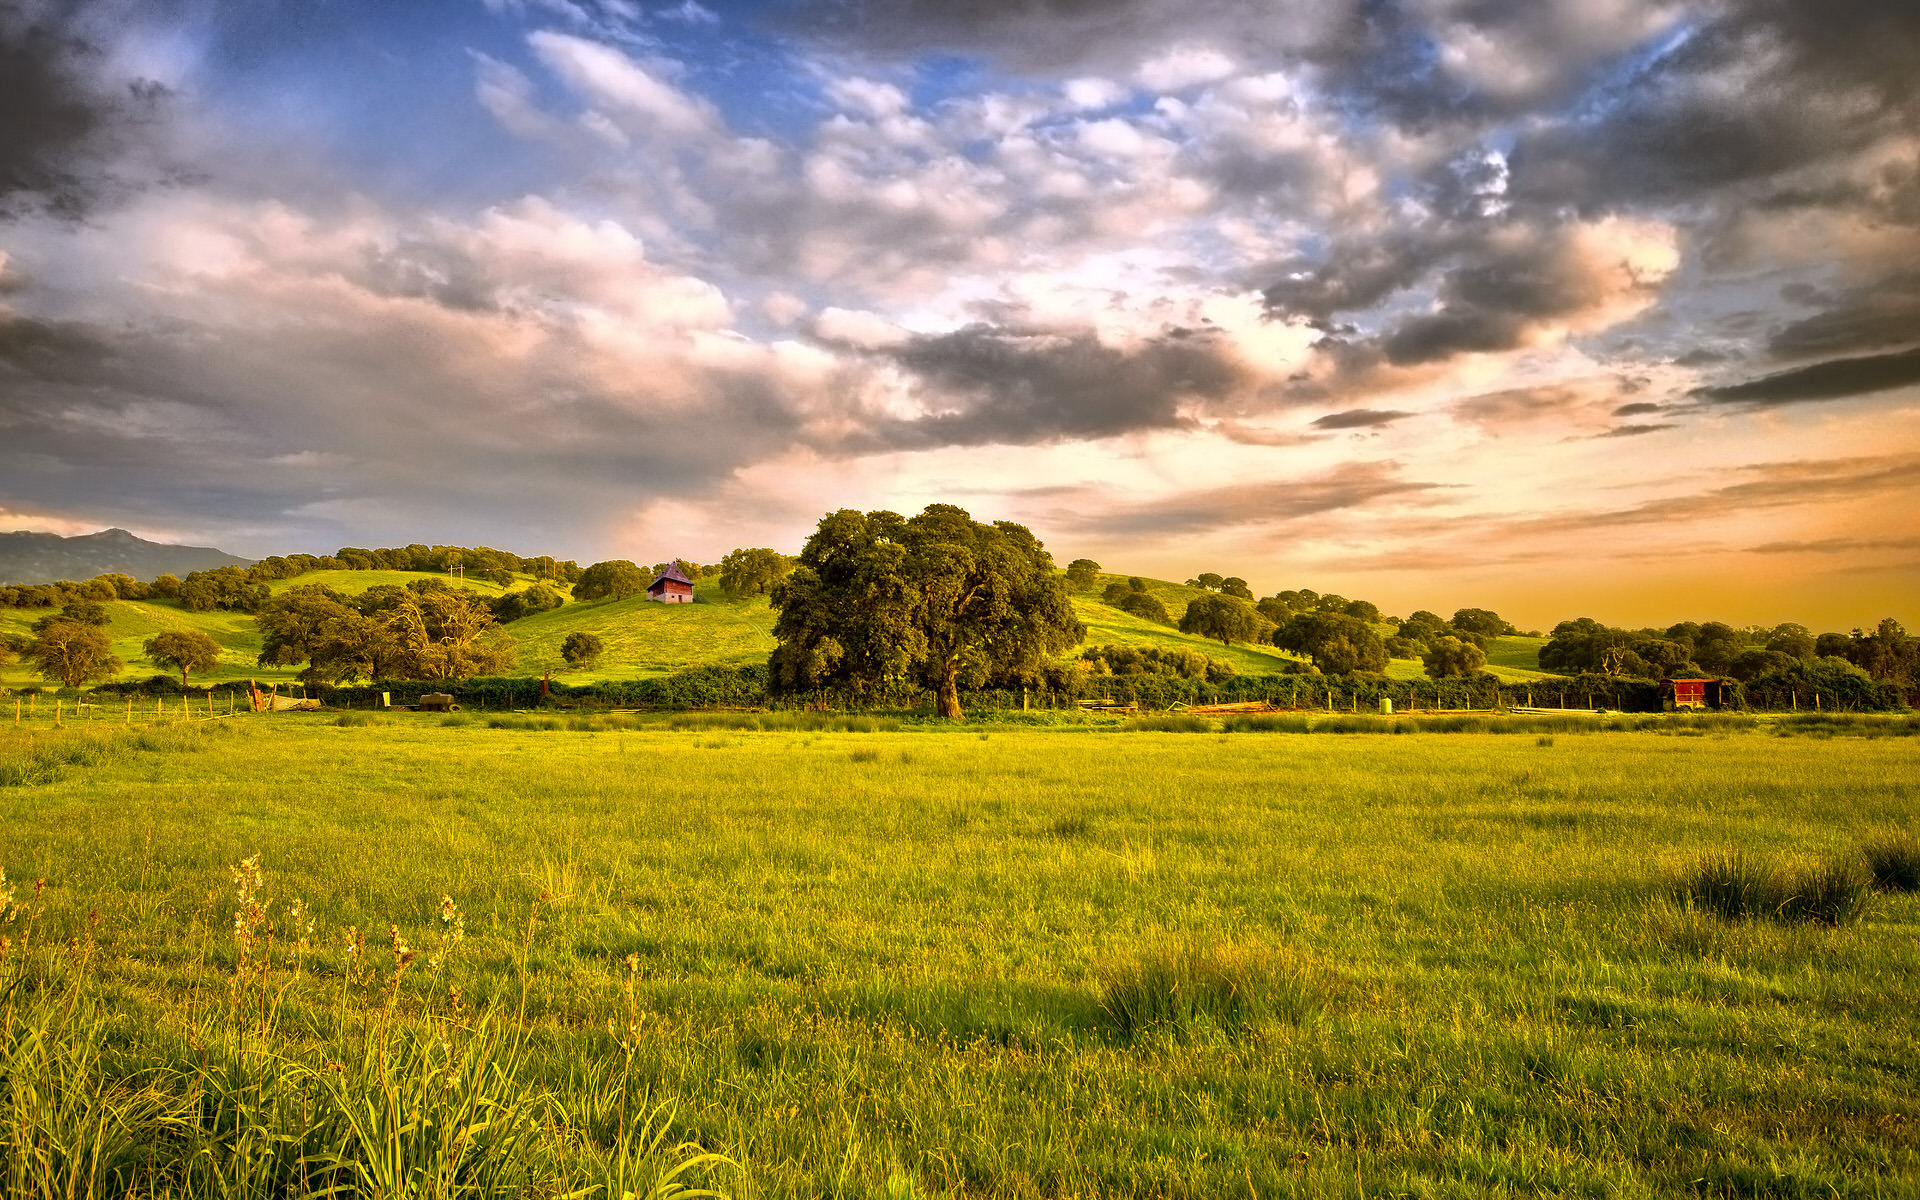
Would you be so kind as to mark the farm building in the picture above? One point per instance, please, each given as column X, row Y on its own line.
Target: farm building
column 1694, row 693
column 671, row 586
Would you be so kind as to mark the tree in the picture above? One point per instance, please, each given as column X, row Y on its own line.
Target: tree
column 1228, row 618
column 1146, row 606
column 1791, row 639
column 1120, row 589
column 74, row 653
column 80, row 612
column 1363, row 610
column 1207, row 580
column 939, row 597
column 753, row 572
column 183, row 650
column 295, row 624
column 1337, row 644
column 536, row 598
column 1233, row 585
column 1082, row 574
column 582, row 649
column 1452, row 658
column 1482, row 621
column 615, row 579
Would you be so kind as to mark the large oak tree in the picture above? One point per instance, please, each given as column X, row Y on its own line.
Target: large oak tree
column 938, row 598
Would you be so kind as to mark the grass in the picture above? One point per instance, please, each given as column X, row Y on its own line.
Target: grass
column 645, row 639
column 912, row 961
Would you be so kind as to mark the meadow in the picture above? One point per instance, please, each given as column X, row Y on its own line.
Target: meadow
column 871, row 957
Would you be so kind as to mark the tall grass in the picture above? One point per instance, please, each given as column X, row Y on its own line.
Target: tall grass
column 1736, row 885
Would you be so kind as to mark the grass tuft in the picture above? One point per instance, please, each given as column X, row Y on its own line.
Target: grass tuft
column 1735, row 886
column 1222, row 987
column 1893, row 858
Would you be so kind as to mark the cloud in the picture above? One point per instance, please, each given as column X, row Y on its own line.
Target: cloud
column 1885, row 312
column 988, row 384
column 68, row 120
column 1360, row 418
column 1837, row 545
column 1620, row 431
column 1276, row 502
column 1638, row 408
column 1839, row 379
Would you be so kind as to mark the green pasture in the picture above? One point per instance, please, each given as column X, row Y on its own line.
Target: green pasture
column 1515, row 659
column 132, row 622
column 883, row 959
column 645, row 638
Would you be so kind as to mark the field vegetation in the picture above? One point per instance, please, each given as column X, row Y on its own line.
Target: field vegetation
column 872, row 956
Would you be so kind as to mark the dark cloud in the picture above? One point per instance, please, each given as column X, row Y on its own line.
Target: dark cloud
column 1204, row 510
column 1755, row 91
column 60, row 124
column 993, row 384
column 1838, row 545
column 1639, row 409
column 1620, row 431
column 1070, row 35
column 1872, row 317
column 1838, row 379
column 1360, row 418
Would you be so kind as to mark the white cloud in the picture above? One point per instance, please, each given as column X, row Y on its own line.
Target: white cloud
column 1184, row 67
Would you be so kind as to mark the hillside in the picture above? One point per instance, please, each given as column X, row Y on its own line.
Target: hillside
column 48, row 557
column 644, row 639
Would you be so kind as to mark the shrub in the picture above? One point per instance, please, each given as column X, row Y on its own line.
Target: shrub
column 1735, row 885
column 1183, row 990
column 1893, row 858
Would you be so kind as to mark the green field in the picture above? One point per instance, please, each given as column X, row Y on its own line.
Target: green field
column 967, row 961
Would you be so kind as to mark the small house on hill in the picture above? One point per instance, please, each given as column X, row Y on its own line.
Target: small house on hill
column 671, row 586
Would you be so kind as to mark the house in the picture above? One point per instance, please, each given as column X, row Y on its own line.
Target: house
column 1694, row 693
column 671, row 587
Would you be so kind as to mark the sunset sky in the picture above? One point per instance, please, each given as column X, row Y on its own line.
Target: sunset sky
column 1557, row 307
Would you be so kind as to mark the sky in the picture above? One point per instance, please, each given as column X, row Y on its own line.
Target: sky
column 1562, row 308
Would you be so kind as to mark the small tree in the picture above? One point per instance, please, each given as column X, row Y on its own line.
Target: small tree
column 74, row 653
column 1452, row 658
column 1146, row 606
column 1081, row 573
column 183, row 650
column 582, row 649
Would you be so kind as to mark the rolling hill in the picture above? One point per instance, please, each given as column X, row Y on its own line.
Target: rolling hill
column 644, row 639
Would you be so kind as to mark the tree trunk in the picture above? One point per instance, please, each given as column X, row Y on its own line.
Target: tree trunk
column 947, row 699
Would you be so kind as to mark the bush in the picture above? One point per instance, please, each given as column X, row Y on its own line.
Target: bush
column 1169, row 723
column 1226, row 988
column 1735, row 885
column 1893, row 859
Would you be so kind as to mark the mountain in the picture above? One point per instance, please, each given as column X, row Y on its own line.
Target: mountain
column 47, row 557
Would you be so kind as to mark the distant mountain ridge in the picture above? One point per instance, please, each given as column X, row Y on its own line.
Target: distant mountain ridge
column 48, row 557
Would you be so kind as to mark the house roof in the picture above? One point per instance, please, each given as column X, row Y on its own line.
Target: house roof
column 671, row 574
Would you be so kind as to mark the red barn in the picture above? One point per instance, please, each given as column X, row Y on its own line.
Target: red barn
column 671, row 587
column 1694, row 693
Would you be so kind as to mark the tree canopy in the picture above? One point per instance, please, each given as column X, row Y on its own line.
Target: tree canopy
column 582, row 649
column 1228, row 618
column 614, row 579
column 938, row 598
column 1081, row 573
column 1337, row 644
column 1450, row 657
column 183, row 650
column 752, row 572
column 74, row 652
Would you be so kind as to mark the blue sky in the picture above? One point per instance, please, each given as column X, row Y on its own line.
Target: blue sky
column 1557, row 307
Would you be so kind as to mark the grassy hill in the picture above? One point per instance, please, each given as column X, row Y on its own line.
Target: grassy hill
column 644, row 639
